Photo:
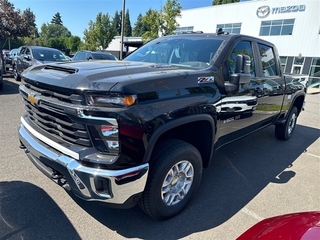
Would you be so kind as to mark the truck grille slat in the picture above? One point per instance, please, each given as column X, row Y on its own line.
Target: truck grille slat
column 55, row 122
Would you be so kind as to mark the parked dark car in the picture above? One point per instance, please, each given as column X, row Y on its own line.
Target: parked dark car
column 34, row 55
column 9, row 57
column 88, row 55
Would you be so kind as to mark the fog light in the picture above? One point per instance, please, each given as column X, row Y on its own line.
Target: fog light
column 102, row 187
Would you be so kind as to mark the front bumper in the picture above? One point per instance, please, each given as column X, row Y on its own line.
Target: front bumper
column 117, row 187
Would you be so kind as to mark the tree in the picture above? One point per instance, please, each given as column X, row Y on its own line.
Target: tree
column 155, row 23
column 12, row 24
column 116, row 22
column 219, row 2
column 89, row 36
column 100, row 33
column 151, row 24
column 49, row 31
column 127, row 25
column 54, row 31
column 56, row 19
column 31, row 23
column 58, row 43
column 168, row 16
column 73, row 43
column 139, row 27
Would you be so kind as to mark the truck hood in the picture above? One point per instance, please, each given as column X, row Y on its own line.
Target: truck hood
column 99, row 75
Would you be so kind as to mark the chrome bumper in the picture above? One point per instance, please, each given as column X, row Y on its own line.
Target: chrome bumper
column 82, row 180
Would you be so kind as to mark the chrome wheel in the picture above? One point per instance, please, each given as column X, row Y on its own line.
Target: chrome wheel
column 177, row 183
column 292, row 123
column 174, row 177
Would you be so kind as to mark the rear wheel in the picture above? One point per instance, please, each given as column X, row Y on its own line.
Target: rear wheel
column 175, row 174
column 285, row 131
column 15, row 74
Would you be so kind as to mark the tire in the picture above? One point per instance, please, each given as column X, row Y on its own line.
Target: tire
column 174, row 176
column 285, row 131
column 15, row 74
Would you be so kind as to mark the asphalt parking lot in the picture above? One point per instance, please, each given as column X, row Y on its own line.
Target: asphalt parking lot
column 249, row 180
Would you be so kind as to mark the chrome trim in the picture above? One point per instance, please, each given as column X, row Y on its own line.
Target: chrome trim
column 77, row 111
column 94, row 187
column 85, row 175
column 80, row 114
column 49, row 141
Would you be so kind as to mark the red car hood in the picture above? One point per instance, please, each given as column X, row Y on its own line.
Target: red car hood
column 294, row 226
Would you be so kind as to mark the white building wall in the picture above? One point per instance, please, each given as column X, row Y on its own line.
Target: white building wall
column 115, row 43
column 305, row 39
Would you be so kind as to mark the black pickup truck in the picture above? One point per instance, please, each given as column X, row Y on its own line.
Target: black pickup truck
column 142, row 130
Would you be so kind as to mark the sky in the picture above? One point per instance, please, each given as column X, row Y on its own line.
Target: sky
column 76, row 14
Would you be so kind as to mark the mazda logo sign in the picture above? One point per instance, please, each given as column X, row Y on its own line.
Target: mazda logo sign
column 263, row 11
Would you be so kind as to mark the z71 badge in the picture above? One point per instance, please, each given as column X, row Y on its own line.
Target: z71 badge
column 206, row 79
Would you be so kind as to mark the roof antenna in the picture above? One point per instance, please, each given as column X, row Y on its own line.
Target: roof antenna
column 220, row 32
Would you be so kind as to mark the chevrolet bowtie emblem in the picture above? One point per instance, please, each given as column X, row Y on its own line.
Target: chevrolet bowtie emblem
column 33, row 100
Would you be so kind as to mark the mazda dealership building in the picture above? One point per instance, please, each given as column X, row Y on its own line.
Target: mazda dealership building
column 292, row 25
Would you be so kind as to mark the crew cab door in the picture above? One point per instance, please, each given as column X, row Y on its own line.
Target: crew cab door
column 269, row 84
column 237, row 111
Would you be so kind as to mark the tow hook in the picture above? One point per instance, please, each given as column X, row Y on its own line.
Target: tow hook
column 56, row 175
column 22, row 146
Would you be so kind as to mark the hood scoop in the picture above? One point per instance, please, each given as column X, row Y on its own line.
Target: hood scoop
column 62, row 70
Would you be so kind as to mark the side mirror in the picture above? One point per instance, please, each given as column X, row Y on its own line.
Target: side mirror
column 241, row 75
column 26, row 57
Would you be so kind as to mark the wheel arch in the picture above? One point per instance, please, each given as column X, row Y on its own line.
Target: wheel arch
column 298, row 102
column 185, row 128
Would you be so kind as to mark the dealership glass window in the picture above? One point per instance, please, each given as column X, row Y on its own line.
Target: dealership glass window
column 315, row 68
column 234, row 28
column 296, row 70
column 297, row 65
column 298, row 60
column 314, row 79
column 316, row 61
column 268, row 60
column 283, row 61
column 277, row 27
column 183, row 29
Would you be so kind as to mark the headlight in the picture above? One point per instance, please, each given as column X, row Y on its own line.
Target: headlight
column 111, row 100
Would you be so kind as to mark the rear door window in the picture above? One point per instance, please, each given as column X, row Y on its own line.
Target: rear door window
column 268, row 60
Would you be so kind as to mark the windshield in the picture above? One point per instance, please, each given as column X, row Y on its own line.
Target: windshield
column 49, row 55
column 185, row 52
column 103, row 56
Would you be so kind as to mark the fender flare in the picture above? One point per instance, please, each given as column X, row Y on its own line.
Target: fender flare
column 175, row 123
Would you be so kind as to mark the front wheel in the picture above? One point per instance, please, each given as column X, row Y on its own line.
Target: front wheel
column 174, row 177
column 285, row 131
